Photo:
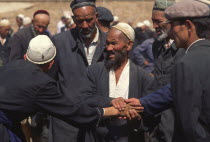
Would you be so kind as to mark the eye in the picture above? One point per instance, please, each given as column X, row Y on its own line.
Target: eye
column 89, row 20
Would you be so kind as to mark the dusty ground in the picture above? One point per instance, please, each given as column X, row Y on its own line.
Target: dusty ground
column 134, row 11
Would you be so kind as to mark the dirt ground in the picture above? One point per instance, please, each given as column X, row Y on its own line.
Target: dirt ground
column 133, row 11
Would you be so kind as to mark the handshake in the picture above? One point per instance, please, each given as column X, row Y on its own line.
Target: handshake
column 124, row 108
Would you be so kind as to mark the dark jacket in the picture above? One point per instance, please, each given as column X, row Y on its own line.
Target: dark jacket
column 26, row 90
column 5, row 51
column 165, row 60
column 20, row 42
column 71, row 70
column 139, row 81
column 190, row 85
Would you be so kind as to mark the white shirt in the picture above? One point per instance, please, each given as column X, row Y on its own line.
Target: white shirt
column 2, row 40
column 59, row 26
column 89, row 51
column 192, row 44
column 120, row 89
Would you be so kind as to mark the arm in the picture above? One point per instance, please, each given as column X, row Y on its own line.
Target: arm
column 16, row 48
column 154, row 102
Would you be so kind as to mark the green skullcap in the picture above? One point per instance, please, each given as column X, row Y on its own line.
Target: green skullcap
column 162, row 4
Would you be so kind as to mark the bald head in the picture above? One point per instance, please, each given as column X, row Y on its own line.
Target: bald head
column 41, row 22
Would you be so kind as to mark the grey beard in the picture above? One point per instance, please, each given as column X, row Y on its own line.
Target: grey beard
column 163, row 36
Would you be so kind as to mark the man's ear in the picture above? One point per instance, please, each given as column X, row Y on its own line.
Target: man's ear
column 129, row 45
column 24, row 57
column 190, row 26
column 50, row 64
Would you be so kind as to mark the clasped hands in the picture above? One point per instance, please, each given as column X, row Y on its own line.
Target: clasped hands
column 125, row 108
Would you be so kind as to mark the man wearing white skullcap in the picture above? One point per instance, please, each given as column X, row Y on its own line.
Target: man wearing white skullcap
column 119, row 77
column 5, row 28
column 29, row 90
column 19, row 21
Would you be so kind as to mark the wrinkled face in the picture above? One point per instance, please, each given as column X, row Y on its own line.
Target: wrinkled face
column 160, row 24
column 4, row 31
column 19, row 21
column 179, row 33
column 117, row 47
column 85, row 20
column 41, row 22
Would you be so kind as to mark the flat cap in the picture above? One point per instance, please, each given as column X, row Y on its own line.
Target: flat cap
column 104, row 14
column 126, row 29
column 80, row 3
column 41, row 50
column 161, row 5
column 205, row 2
column 187, row 9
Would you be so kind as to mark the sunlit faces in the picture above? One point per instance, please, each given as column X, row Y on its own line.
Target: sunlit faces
column 160, row 24
column 41, row 22
column 4, row 31
column 117, row 47
column 85, row 20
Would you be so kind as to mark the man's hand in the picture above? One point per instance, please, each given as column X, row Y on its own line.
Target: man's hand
column 135, row 104
column 119, row 103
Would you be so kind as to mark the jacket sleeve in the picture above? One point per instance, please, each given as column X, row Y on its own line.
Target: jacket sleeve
column 16, row 48
column 157, row 101
column 77, row 112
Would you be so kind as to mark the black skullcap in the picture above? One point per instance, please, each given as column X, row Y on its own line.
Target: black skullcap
column 80, row 3
column 104, row 14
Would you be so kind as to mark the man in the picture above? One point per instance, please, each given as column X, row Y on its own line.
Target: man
column 165, row 57
column 104, row 19
column 5, row 38
column 77, row 49
column 21, row 39
column 19, row 21
column 119, row 77
column 27, row 89
column 190, row 77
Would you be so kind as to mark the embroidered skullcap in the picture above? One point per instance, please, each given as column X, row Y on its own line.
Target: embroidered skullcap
column 104, row 14
column 41, row 50
column 187, row 9
column 161, row 5
column 26, row 20
column 126, row 29
column 4, row 22
column 80, row 3
column 20, row 16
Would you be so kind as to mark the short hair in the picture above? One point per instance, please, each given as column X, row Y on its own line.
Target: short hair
column 41, row 12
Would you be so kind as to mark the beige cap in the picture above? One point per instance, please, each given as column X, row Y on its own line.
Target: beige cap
column 139, row 24
column 126, row 29
column 4, row 22
column 20, row 16
column 147, row 23
column 26, row 20
column 187, row 9
column 41, row 50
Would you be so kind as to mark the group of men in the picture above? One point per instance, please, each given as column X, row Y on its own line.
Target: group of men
column 89, row 68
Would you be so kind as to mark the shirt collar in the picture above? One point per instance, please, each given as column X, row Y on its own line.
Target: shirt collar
column 192, row 44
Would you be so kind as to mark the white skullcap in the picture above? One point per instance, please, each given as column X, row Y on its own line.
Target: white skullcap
column 116, row 18
column 126, row 29
column 20, row 16
column 41, row 50
column 4, row 22
column 147, row 23
column 26, row 20
column 139, row 24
